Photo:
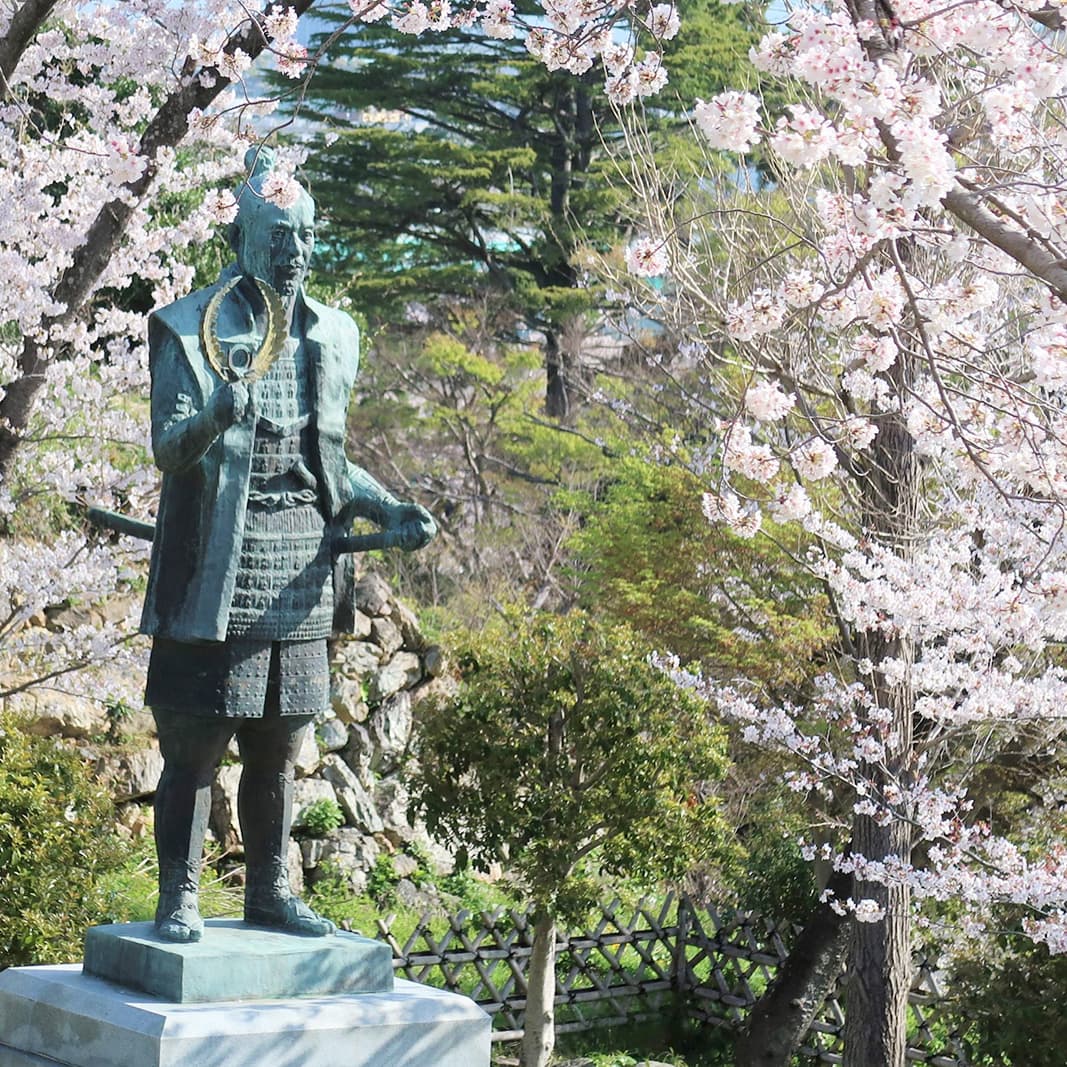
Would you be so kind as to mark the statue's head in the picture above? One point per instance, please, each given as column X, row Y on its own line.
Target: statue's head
column 270, row 242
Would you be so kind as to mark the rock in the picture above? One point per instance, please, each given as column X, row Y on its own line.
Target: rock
column 391, row 799
column 441, row 860
column 433, row 661
column 224, row 820
column 361, row 625
column 295, row 864
column 134, row 775
column 355, row 801
column 66, row 616
column 404, row 866
column 332, row 735
column 133, row 821
column 373, row 595
column 311, row 849
column 54, row 714
column 308, row 757
column 347, row 698
column 308, row 791
column 359, row 751
column 421, row 898
column 353, row 853
column 386, row 635
column 390, row 730
column 402, row 672
column 354, row 659
column 410, row 631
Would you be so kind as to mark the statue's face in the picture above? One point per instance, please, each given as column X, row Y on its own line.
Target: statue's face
column 275, row 244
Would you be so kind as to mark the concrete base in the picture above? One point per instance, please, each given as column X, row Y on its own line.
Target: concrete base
column 58, row 1015
column 236, row 961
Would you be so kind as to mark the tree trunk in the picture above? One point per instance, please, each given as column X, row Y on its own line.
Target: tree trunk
column 557, row 390
column 879, row 965
column 783, row 1015
column 25, row 22
column 539, row 1032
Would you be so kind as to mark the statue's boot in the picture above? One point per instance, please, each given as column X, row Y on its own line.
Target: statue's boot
column 178, row 911
column 269, row 902
column 265, row 808
column 183, row 801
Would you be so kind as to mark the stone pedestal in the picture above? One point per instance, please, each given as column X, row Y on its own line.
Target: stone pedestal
column 236, row 961
column 64, row 1015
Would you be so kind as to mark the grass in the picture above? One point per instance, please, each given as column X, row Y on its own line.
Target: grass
column 678, row 1043
column 133, row 890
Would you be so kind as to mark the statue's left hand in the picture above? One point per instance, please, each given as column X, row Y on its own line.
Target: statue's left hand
column 412, row 526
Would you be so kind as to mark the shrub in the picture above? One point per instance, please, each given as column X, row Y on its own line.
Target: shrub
column 57, row 847
column 319, row 818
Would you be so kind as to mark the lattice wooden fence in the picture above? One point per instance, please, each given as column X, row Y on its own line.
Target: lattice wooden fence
column 639, row 963
column 726, row 960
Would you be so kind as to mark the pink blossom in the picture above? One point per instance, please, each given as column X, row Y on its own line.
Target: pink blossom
column 768, row 402
column 415, row 20
column 221, row 206
column 804, row 139
column 498, row 19
column 650, row 75
column 814, row 460
column 292, row 59
column 663, row 21
column 647, row 258
column 126, row 165
column 281, row 189
column 280, row 23
column 369, row 10
column 232, row 65
column 729, row 120
column 790, row 504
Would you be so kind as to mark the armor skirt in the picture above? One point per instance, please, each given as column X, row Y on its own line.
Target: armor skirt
column 239, row 678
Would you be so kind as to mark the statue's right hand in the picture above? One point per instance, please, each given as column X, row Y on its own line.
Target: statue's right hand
column 229, row 403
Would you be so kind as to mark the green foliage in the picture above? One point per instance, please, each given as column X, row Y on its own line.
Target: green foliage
column 382, row 881
column 119, row 714
column 566, row 756
column 1010, row 991
column 651, row 559
column 773, row 878
column 455, row 413
column 133, row 888
column 319, row 818
column 671, row 1039
column 57, row 845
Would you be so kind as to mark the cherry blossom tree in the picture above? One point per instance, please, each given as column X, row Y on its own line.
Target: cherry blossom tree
column 122, row 128
column 890, row 317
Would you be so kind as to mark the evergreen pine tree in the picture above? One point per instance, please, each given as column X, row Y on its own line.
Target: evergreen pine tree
column 452, row 164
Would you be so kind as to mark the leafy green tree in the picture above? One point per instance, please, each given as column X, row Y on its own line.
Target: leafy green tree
column 649, row 557
column 455, row 164
column 57, row 848
column 565, row 755
column 453, row 416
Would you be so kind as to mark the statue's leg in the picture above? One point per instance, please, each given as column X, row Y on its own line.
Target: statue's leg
column 269, row 747
column 192, row 747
